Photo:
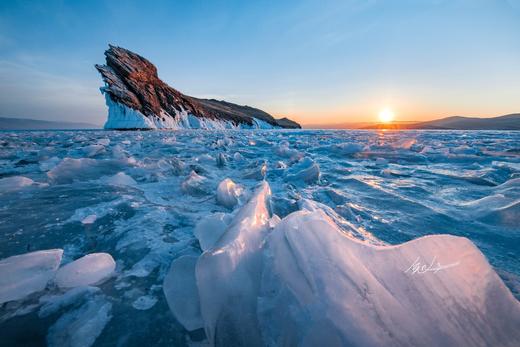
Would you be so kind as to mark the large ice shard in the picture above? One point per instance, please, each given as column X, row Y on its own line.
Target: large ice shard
column 322, row 286
column 228, row 276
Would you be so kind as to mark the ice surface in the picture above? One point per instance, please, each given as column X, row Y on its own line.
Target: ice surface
column 82, row 326
column 54, row 303
column 89, row 214
column 352, row 293
column 91, row 269
column 348, row 148
column 180, row 290
column 381, row 188
column 228, row 274
column 22, row 275
column 228, row 193
column 71, row 169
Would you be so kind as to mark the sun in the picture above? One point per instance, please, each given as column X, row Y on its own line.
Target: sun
column 386, row 115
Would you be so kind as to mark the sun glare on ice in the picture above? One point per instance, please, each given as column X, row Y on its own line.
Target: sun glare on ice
column 386, row 115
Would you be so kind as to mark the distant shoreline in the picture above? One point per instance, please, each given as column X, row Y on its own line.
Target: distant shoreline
column 509, row 122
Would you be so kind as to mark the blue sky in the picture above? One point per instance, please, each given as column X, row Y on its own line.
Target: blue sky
column 314, row 61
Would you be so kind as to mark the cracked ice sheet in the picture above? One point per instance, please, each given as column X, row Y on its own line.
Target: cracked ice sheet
column 383, row 188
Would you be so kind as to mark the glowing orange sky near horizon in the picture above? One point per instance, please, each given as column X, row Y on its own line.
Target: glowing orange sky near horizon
column 406, row 114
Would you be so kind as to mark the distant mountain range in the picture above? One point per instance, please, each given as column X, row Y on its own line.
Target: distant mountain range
column 507, row 122
column 34, row 124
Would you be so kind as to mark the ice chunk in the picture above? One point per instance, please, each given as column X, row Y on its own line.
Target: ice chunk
column 228, row 276
column 283, row 150
column 209, row 229
column 91, row 269
column 228, row 193
column 82, row 326
column 90, row 219
column 205, row 158
column 238, row 157
column 93, row 150
column 22, row 275
column 48, row 164
column 180, row 290
column 104, row 142
column 321, row 285
column 221, row 160
column 70, row 169
column 281, row 165
column 144, row 302
column 348, row 148
column 13, row 183
column 119, row 179
column 257, row 173
column 306, row 170
column 195, row 185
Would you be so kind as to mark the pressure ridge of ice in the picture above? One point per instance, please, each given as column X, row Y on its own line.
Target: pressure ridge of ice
column 305, row 281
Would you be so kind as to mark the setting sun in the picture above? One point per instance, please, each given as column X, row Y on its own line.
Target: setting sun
column 386, row 115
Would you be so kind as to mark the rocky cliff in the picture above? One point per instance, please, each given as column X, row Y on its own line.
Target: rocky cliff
column 138, row 99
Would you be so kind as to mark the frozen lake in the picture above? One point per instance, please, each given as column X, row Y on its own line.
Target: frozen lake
column 139, row 196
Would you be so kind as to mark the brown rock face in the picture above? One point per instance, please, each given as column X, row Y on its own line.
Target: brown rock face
column 132, row 80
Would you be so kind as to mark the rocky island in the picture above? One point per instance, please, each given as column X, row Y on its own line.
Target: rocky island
column 138, row 99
